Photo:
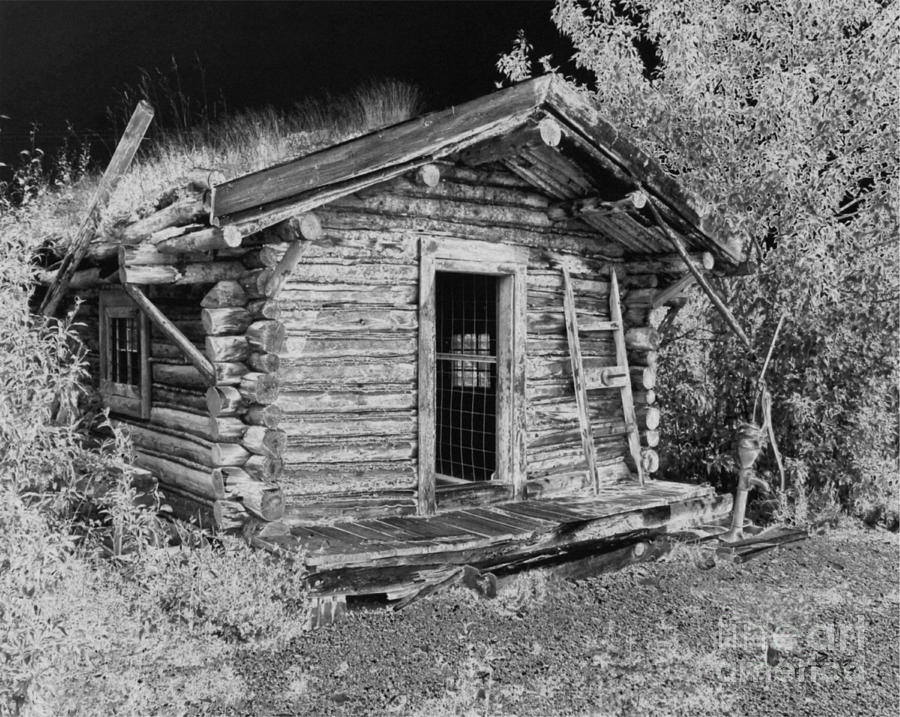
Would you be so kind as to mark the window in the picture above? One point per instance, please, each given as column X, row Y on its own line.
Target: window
column 124, row 351
column 471, row 366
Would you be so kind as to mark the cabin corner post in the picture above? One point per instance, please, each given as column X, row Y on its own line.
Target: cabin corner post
column 250, row 462
column 642, row 346
column 426, row 489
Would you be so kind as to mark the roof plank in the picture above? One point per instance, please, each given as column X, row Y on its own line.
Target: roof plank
column 430, row 134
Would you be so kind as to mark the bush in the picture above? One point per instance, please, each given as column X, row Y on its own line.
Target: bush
column 98, row 615
column 780, row 120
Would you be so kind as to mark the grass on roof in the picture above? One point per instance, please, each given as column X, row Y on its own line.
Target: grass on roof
column 233, row 145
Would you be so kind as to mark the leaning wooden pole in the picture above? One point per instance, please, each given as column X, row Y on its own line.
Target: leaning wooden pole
column 121, row 160
column 698, row 275
column 194, row 355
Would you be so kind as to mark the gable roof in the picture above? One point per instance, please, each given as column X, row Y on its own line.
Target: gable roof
column 592, row 159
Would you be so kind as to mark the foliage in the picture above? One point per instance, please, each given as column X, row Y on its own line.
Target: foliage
column 98, row 615
column 782, row 120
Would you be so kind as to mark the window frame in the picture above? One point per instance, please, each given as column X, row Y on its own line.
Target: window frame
column 124, row 398
column 509, row 264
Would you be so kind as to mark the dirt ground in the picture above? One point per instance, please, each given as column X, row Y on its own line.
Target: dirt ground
column 809, row 629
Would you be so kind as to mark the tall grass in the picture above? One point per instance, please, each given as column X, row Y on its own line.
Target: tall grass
column 187, row 137
column 153, row 628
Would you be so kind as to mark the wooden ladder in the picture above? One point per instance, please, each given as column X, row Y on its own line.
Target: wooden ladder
column 586, row 379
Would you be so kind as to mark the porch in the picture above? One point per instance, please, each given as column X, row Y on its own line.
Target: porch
column 398, row 556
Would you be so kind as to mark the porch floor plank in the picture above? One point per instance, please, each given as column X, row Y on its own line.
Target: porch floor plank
column 426, row 528
column 509, row 523
column 369, row 553
column 477, row 526
column 557, row 515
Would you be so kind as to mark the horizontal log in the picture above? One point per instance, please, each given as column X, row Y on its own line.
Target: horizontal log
column 264, row 362
column 227, row 348
column 305, row 226
column 81, row 279
column 264, row 257
column 179, row 375
column 266, row 336
column 159, row 440
column 189, row 478
column 172, row 397
column 573, row 208
column 264, row 309
column 361, row 450
column 304, row 374
column 336, row 320
column 229, row 454
column 457, row 211
column 167, row 352
column 305, row 295
column 217, row 322
column 263, row 415
column 197, row 273
column 261, row 499
column 264, row 468
column 225, row 429
column 229, row 373
column 207, row 239
column 342, row 426
column 354, row 273
column 255, row 281
column 225, row 294
column 264, row 441
column 187, row 210
column 212, row 429
column 148, row 255
column 542, row 238
column 259, row 387
column 347, row 400
column 382, row 345
column 344, row 483
column 225, row 401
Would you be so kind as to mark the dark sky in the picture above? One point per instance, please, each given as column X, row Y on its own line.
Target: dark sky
column 69, row 60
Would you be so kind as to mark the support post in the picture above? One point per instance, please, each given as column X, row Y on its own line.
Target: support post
column 698, row 275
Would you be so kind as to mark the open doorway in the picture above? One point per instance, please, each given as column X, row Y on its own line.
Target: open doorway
column 466, row 347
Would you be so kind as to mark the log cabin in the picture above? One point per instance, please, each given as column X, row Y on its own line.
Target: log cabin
column 427, row 346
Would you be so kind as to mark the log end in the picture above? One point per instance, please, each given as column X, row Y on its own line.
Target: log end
column 550, row 131
column 428, row 175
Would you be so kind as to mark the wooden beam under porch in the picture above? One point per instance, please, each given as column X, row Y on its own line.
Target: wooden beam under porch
column 388, row 555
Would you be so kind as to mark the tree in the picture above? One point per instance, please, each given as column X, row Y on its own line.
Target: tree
column 782, row 118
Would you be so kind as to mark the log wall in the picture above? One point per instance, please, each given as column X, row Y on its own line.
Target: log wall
column 313, row 335
column 350, row 309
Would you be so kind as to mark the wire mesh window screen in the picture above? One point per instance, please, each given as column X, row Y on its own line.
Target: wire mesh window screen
column 466, row 375
column 125, row 350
